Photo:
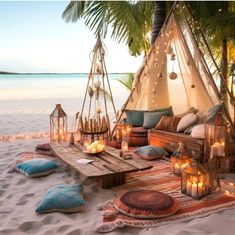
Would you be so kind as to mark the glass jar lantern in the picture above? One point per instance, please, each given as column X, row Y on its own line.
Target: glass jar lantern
column 123, row 132
column 58, row 125
column 179, row 160
column 195, row 181
column 216, row 137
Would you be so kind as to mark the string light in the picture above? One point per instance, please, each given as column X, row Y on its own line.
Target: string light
column 28, row 136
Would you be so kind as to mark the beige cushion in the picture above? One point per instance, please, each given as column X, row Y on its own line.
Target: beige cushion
column 198, row 131
column 186, row 122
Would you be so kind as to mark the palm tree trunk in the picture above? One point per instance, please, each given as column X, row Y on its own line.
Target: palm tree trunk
column 224, row 70
column 159, row 17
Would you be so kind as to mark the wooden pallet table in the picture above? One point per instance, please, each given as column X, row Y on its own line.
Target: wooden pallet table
column 108, row 165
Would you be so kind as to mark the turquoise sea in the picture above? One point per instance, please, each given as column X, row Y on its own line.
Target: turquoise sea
column 26, row 100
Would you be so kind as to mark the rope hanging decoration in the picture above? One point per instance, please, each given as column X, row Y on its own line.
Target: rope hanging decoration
column 95, row 122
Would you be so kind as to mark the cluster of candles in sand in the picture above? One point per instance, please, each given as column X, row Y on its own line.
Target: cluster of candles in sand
column 94, row 147
column 195, row 181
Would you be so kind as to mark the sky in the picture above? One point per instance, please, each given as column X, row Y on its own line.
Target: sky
column 35, row 38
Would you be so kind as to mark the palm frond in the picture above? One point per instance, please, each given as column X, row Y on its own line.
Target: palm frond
column 127, row 81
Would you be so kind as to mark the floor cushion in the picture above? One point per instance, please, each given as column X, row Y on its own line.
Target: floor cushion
column 63, row 198
column 146, row 204
column 151, row 152
column 44, row 149
column 37, row 167
column 139, row 136
column 186, row 121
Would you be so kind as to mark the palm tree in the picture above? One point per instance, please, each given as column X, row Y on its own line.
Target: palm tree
column 217, row 22
column 127, row 82
column 130, row 22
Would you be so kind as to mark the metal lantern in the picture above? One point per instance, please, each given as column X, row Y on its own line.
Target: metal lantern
column 195, row 181
column 179, row 160
column 216, row 137
column 123, row 131
column 58, row 125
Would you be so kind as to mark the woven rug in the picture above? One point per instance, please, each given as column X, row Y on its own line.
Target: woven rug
column 161, row 179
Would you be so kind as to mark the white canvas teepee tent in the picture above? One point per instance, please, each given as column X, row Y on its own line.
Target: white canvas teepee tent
column 174, row 50
column 177, row 50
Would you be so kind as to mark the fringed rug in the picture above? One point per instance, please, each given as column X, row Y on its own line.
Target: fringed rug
column 161, row 179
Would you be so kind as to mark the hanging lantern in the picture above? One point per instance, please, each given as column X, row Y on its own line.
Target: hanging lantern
column 172, row 56
column 58, row 125
column 173, row 75
column 179, row 160
column 195, row 181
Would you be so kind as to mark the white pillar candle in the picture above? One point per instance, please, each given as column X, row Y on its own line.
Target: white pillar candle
column 124, row 146
column 196, row 190
column 212, row 152
column 188, row 187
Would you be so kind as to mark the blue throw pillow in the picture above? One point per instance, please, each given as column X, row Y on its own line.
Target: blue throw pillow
column 151, row 152
column 37, row 167
column 63, row 198
column 212, row 112
column 151, row 119
column 135, row 117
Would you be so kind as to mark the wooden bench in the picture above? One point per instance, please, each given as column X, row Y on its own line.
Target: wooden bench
column 108, row 166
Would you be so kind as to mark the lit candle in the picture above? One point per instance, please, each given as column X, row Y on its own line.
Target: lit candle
column 196, row 190
column 93, row 150
column 188, row 187
column 124, row 146
column 183, row 166
column 220, row 149
column 89, row 148
column 177, row 169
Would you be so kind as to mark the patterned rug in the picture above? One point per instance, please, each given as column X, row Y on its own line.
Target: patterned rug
column 161, row 179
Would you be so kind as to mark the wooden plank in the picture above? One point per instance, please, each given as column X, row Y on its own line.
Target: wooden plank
column 137, row 163
column 112, row 163
column 88, row 170
column 98, row 162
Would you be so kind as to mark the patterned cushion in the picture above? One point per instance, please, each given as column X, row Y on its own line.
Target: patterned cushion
column 151, row 152
column 139, row 136
column 146, row 204
column 63, row 198
column 186, row 121
column 151, row 119
column 44, row 149
column 168, row 123
column 37, row 167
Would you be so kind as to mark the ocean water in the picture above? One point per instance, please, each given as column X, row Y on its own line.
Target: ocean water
column 26, row 101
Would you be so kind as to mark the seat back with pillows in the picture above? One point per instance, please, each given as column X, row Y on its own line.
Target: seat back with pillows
column 136, row 117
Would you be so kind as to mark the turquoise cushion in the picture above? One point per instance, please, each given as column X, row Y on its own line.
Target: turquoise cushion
column 212, row 112
column 62, row 198
column 151, row 119
column 135, row 117
column 151, row 152
column 37, row 167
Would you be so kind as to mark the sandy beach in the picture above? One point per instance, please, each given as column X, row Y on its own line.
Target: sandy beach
column 20, row 195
